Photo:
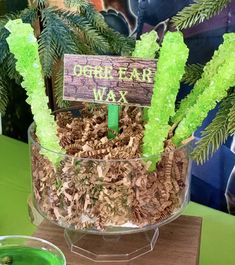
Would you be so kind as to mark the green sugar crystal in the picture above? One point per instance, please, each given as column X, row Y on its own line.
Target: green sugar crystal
column 147, row 46
column 209, row 71
column 23, row 44
column 170, row 69
column 216, row 86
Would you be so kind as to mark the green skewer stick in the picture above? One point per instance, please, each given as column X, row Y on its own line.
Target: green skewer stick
column 146, row 48
column 113, row 120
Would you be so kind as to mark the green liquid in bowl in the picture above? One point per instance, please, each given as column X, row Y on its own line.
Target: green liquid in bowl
column 28, row 256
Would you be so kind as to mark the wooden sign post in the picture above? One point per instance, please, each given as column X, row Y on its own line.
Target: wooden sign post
column 108, row 79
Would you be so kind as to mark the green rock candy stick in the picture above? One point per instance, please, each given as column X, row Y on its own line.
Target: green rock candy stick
column 147, row 46
column 209, row 71
column 24, row 46
column 220, row 82
column 170, row 69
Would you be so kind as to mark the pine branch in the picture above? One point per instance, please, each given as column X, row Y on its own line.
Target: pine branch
column 40, row 3
column 9, row 68
column 4, row 50
column 94, row 17
column 84, row 47
column 47, row 50
column 58, row 89
column 197, row 12
column 4, row 19
column 55, row 40
column 75, row 3
column 3, row 95
column 231, row 116
column 193, row 72
column 216, row 133
column 91, row 36
column 119, row 44
column 29, row 15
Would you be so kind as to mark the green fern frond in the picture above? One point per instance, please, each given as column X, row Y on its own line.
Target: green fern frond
column 3, row 45
column 97, row 42
column 58, row 89
column 119, row 44
column 231, row 117
column 55, row 40
column 76, row 3
column 193, row 72
column 94, row 17
column 197, row 12
column 9, row 68
column 84, row 47
column 216, row 132
column 4, row 19
column 91, row 36
column 47, row 50
column 29, row 15
column 40, row 3
column 3, row 95
column 73, row 20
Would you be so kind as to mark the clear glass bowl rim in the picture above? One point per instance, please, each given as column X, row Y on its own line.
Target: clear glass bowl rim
column 39, row 146
column 36, row 239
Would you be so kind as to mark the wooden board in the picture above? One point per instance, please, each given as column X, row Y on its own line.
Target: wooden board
column 178, row 244
column 108, row 79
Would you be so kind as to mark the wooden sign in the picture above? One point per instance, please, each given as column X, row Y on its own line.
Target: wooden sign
column 108, row 79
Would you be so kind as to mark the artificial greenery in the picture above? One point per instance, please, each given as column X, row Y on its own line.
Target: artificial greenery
column 169, row 72
column 3, row 95
column 80, row 32
column 197, row 12
column 192, row 73
column 97, row 21
column 217, row 132
column 23, row 45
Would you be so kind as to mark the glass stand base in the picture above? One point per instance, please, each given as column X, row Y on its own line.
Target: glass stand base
column 112, row 248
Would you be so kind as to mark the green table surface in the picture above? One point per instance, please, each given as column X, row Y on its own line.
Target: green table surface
column 218, row 230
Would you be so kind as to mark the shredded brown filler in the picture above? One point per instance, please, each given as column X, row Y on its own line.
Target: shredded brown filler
column 90, row 193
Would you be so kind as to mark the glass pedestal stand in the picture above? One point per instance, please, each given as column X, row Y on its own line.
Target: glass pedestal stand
column 84, row 193
column 112, row 247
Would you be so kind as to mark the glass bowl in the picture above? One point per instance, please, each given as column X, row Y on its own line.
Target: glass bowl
column 18, row 250
column 111, row 209
column 109, row 196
